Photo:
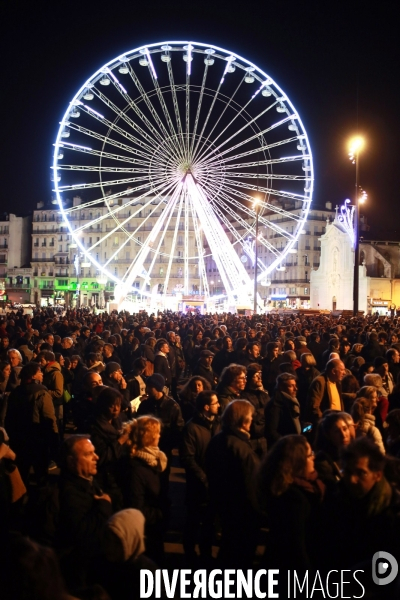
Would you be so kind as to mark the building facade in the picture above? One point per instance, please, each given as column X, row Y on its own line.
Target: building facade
column 15, row 275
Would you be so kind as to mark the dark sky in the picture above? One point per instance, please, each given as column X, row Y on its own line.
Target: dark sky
column 323, row 54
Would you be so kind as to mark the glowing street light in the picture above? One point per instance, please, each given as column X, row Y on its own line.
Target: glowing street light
column 356, row 144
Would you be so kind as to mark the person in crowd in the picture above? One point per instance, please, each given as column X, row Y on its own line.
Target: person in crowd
column 393, row 358
column 305, row 374
column 282, row 413
column 393, row 433
column 145, row 489
column 135, row 381
column 381, row 366
column 112, row 377
column 203, row 368
column 110, row 355
column 78, row 371
column 231, row 384
column 165, row 409
column 333, row 346
column 84, row 510
column 161, row 363
column 251, row 355
column 15, row 360
column 54, row 381
column 270, row 366
column 379, row 404
column 5, row 372
column 196, row 436
column 189, row 393
column 231, row 467
column 255, row 394
column 364, row 420
column 67, row 349
column 31, row 424
column 364, row 503
column 223, row 358
column 334, row 432
column 372, row 349
column 109, row 436
column 291, row 494
column 173, row 363
column 325, row 391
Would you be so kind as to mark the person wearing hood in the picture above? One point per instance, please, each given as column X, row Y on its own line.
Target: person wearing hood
column 31, row 423
column 282, row 414
column 231, row 467
column 112, row 377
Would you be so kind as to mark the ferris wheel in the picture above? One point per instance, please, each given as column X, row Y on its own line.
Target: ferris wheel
column 177, row 150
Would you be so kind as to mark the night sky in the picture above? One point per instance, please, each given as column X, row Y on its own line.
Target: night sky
column 337, row 61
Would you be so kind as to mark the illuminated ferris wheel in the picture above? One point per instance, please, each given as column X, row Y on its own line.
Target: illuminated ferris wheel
column 176, row 150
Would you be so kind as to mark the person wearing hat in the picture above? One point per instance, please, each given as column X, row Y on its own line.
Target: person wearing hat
column 166, row 410
column 301, row 346
column 204, row 369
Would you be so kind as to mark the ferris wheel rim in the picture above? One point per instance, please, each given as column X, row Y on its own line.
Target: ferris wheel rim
column 157, row 47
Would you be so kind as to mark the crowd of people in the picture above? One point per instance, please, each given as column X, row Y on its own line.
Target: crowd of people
column 287, row 427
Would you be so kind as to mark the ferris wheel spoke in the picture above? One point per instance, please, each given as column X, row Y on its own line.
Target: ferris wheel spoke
column 263, row 205
column 162, row 189
column 270, row 191
column 271, row 161
column 236, row 216
column 255, row 136
column 160, row 229
column 231, row 269
column 262, row 148
column 196, row 121
column 227, row 105
column 85, row 186
column 152, row 140
column 200, row 251
column 150, row 145
column 108, row 155
column 173, row 244
column 180, row 138
column 164, row 133
column 105, row 139
column 120, row 227
column 100, row 169
column 156, row 138
column 249, row 175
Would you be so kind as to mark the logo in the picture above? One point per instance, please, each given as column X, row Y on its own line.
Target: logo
column 385, row 564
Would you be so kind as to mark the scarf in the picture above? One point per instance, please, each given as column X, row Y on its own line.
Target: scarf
column 153, row 456
column 312, row 485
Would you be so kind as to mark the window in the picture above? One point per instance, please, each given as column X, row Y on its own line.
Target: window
column 292, row 291
column 116, row 242
column 115, row 270
column 62, row 282
column 306, row 291
column 127, row 254
column 282, row 290
column 60, row 248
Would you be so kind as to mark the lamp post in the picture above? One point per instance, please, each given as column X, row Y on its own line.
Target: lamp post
column 256, row 208
column 356, row 144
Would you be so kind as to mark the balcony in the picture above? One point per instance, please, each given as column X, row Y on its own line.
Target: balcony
column 307, row 247
column 44, row 244
column 43, row 260
column 36, row 244
column 17, row 286
column 316, row 264
column 51, row 244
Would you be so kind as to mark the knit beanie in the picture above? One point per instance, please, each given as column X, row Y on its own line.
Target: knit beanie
column 156, row 381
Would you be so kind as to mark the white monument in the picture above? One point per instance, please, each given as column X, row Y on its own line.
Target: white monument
column 331, row 285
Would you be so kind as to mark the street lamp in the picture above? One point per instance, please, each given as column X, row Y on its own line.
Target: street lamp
column 256, row 208
column 355, row 146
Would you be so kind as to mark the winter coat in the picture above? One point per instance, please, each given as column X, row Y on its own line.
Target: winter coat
column 104, row 436
column 161, row 366
column 54, row 381
column 259, row 399
column 196, row 436
column 205, row 372
column 226, row 395
column 144, row 491
column 282, row 417
column 367, row 428
column 318, row 398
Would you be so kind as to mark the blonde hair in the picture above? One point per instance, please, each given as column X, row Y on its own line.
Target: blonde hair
column 143, row 433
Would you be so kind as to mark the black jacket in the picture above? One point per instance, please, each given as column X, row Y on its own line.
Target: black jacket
column 203, row 371
column 197, row 434
column 145, row 492
column 82, row 518
column 259, row 399
column 282, row 417
column 104, row 436
column 161, row 366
